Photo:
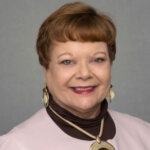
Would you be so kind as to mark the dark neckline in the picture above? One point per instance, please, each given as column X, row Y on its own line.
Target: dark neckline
column 90, row 125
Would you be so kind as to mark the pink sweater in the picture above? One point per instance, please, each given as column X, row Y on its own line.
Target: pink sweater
column 41, row 133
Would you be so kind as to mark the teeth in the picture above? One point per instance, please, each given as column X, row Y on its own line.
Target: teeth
column 83, row 89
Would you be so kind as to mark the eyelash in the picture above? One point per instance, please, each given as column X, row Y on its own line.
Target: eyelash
column 69, row 62
column 99, row 60
column 66, row 62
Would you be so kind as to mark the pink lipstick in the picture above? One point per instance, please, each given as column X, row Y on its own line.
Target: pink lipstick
column 83, row 90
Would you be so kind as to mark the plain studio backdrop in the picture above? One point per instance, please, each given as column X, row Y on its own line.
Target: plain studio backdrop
column 21, row 76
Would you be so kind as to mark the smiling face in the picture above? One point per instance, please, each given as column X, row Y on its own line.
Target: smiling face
column 78, row 76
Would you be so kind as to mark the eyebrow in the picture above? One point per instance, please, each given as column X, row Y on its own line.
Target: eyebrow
column 64, row 54
column 100, row 53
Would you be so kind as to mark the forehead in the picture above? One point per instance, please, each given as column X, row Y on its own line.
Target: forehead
column 79, row 48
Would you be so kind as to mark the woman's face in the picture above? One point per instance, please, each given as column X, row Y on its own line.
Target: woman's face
column 78, row 76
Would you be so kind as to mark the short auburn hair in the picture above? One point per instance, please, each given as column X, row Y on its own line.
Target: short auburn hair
column 75, row 22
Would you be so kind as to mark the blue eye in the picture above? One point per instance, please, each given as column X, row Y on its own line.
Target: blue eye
column 66, row 62
column 99, row 60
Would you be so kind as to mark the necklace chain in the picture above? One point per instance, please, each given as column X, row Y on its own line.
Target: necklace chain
column 78, row 128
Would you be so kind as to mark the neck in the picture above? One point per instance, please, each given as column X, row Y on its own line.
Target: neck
column 90, row 125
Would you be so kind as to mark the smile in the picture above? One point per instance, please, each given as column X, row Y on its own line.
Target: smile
column 84, row 90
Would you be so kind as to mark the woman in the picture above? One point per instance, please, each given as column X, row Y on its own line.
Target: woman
column 76, row 47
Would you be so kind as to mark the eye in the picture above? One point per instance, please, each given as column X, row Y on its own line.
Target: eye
column 66, row 62
column 98, row 60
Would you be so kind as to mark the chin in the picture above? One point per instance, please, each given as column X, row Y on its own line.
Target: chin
column 85, row 107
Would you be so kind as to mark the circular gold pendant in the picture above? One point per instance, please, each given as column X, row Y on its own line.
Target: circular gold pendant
column 101, row 145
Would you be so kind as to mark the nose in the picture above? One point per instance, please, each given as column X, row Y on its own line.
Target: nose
column 84, row 71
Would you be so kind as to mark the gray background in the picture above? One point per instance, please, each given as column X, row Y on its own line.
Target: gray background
column 21, row 76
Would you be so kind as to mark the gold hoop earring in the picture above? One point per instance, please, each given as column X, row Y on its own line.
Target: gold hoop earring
column 111, row 94
column 45, row 98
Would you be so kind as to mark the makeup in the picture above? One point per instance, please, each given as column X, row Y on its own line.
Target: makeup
column 83, row 90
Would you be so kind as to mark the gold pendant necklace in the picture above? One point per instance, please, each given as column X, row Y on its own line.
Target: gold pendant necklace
column 98, row 144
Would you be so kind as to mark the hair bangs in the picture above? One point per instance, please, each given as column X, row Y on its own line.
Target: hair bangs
column 82, row 27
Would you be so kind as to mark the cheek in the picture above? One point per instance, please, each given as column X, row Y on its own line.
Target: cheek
column 59, row 77
column 104, row 74
column 107, row 78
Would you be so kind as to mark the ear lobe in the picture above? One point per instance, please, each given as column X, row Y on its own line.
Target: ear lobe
column 44, row 69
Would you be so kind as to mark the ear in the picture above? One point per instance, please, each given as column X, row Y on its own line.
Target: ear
column 45, row 72
column 44, row 69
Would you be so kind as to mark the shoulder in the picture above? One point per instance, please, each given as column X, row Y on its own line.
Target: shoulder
column 128, row 126
column 123, row 119
column 28, row 130
column 39, row 119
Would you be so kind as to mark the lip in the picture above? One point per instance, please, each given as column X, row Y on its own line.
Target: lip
column 83, row 92
column 84, row 86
